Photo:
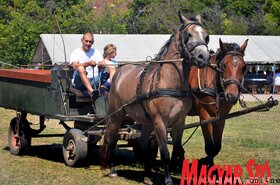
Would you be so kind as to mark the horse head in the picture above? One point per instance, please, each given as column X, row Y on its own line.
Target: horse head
column 233, row 67
column 194, row 39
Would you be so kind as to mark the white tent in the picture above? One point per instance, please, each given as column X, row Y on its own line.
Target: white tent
column 56, row 48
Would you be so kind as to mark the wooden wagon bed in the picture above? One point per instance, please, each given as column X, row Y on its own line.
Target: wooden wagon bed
column 27, row 74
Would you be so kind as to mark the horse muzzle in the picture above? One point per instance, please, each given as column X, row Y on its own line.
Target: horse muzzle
column 201, row 57
column 231, row 98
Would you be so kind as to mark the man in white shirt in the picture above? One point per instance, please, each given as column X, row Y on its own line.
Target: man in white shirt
column 86, row 61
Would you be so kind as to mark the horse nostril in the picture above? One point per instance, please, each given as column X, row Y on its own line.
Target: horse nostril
column 200, row 57
column 231, row 98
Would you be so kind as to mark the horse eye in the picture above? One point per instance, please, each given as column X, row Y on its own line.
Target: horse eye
column 244, row 69
column 186, row 36
column 207, row 40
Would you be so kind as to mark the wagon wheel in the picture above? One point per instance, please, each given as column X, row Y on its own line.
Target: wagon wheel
column 92, row 139
column 74, row 147
column 17, row 138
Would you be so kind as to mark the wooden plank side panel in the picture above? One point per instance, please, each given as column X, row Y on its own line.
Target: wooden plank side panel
column 27, row 74
column 29, row 96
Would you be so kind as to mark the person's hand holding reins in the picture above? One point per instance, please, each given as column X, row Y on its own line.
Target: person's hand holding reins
column 92, row 63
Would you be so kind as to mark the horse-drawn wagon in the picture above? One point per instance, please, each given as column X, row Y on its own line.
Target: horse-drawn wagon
column 48, row 94
column 157, row 94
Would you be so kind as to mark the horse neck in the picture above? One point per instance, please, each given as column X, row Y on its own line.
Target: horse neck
column 177, row 66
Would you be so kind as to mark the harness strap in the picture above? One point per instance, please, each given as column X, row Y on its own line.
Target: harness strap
column 142, row 97
column 160, row 93
column 147, row 69
column 207, row 90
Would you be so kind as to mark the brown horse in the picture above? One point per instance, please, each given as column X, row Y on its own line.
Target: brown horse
column 214, row 93
column 157, row 94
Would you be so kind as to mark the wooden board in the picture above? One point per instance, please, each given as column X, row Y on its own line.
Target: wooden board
column 27, row 74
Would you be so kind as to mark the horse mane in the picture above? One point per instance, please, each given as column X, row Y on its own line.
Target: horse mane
column 164, row 48
column 230, row 47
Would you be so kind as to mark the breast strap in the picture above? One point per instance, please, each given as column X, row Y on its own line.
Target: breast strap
column 160, row 93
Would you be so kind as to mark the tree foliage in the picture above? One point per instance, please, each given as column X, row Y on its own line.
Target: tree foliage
column 22, row 21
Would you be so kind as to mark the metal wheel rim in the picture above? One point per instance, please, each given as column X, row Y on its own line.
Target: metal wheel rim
column 71, row 150
column 14, row 137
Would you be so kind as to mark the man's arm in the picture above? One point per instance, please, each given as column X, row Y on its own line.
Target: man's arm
column 86, row 64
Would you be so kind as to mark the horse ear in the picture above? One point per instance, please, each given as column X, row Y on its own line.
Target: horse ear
column 183, row 19
column 243, row 47
column 222, row 45
column 198, row 18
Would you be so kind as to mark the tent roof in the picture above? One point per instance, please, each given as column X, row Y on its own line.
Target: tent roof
column 131, row 47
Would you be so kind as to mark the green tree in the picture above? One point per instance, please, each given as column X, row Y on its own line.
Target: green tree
column 272, row 17
column 111, row 20
column 23, row 23
column 158, row 16
column 75, row 18
column 213, row 18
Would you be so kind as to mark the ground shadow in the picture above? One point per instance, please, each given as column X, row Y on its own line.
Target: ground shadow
column 51, row 152
column 138, row 176
column 124, row 157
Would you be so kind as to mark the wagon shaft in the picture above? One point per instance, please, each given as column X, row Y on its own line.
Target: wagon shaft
column 268, row 104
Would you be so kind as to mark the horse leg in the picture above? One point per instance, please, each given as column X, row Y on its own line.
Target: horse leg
column 164, row 153
column 218, row 130
column 107, row 151
column 209, row 145
column 208, row 139
column 149, row 147
column 213, row 141
column 178, row 153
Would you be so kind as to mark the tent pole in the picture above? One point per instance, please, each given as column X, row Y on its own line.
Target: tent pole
column 274, row 68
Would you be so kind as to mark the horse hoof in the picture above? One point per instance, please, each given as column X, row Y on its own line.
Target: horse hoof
column 148, row 181
column 175, row 170
column 168, row 182
column 112, row 173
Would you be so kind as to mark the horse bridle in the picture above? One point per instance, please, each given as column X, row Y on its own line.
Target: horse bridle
column 189, row 47
column 226, row 82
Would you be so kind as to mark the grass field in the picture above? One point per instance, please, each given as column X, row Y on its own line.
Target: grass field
column 253, row 136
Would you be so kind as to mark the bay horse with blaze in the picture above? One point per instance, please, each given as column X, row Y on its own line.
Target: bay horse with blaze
column 157, row 94
column 215, row 92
